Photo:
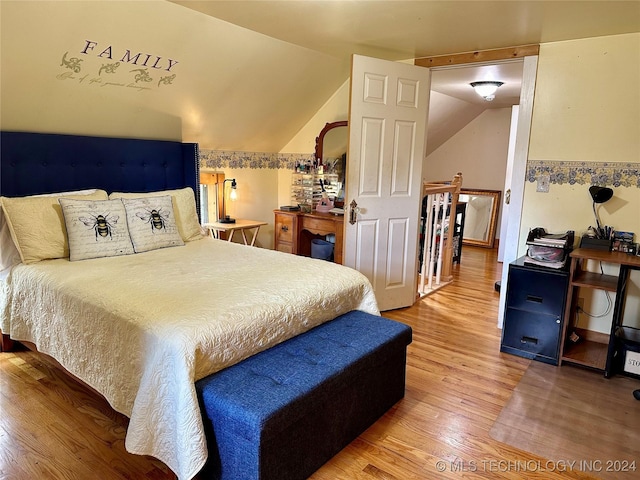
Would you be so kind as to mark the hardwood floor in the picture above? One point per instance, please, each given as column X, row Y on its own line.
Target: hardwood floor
column 51, row 427
column 556, row 412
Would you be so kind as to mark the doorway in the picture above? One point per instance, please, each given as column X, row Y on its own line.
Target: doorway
column 467, row 133
column 522, row 73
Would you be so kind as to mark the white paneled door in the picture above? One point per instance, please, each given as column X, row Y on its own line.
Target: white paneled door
column 387, row 145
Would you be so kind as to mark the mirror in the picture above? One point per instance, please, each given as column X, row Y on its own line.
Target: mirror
column 331, row 151
column 332, row 142
column 481, row 216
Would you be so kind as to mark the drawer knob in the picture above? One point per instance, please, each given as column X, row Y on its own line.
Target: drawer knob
column 285, row 228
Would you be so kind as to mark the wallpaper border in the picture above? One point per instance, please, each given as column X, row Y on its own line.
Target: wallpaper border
column 616, row 174
column 585, row 173
column 219, row 159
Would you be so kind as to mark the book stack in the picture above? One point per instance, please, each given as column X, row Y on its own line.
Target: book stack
column 548, row 250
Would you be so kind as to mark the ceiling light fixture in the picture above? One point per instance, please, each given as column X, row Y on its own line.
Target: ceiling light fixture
column 486, row 89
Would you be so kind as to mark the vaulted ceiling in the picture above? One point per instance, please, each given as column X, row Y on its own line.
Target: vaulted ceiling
column 397, row 29
column 400, row 30
column 251, row 74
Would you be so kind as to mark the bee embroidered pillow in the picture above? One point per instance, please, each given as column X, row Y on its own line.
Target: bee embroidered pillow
column 152, row 223
column 184, row 207
column 96, row 228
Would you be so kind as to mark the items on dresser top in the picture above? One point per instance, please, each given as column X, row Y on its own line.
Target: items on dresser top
column 548, row 250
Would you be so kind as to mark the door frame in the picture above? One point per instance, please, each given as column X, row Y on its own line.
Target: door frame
column 518, row 176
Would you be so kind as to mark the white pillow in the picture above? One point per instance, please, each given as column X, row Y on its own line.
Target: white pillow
column 184, row 207
column 9, row 254
column 96, row 228
column 152, row 223
column 37, row 226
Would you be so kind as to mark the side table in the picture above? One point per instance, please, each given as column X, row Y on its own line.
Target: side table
column 244, row 226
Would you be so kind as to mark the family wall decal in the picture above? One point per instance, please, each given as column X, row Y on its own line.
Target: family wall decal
column 149, row 74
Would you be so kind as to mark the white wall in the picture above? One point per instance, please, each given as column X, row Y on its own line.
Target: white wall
column 334, row 110
column 479, row 151
column 228, row 88
column 256, row 189
column 587, row 112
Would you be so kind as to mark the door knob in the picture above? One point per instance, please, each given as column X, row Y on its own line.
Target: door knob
column 353, row 212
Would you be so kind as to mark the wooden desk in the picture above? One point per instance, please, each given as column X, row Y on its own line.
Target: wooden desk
column 216, row 228
column 595, row 350
column 295, row 230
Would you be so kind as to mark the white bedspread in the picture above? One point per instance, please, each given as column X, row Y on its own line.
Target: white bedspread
column 142, row 328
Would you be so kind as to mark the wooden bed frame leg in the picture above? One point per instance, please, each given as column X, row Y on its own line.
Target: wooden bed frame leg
column 7, row 343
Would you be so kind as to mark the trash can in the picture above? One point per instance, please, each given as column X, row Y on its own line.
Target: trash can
column 321, row 249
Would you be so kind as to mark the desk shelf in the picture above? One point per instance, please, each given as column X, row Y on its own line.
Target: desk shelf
column 595, row 280
column 588, row 353
column 595, row 350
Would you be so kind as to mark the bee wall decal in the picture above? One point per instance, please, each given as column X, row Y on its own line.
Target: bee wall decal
column 102, row 224
column 156, row 218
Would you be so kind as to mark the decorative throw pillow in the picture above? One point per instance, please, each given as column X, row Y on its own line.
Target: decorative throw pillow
column 37, row 226
column 184, row 207
column 152, row 223
column 96, row 228
column 9, row 254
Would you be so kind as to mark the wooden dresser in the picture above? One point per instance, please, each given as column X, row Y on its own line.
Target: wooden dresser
column 295, row 230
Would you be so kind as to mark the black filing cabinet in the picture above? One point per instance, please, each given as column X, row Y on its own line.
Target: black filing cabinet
column 534, row 312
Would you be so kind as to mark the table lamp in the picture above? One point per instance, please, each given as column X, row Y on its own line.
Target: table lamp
column 599, row 195
column 232, row 196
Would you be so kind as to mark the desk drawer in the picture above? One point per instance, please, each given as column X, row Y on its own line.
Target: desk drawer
column 284, row 228
column 537, row 291
column 319, row 226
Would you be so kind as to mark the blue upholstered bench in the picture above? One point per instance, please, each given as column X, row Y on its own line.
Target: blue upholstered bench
column 284, row 412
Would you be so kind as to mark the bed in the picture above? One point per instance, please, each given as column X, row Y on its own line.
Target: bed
column 142, row 326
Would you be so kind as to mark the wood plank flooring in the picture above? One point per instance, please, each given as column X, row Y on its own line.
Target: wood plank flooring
column 51, row 427
column 556, row 412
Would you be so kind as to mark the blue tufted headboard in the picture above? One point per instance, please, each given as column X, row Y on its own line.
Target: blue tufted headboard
column 34, row 163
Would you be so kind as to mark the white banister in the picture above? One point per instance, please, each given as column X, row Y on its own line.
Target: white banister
column 437, row 251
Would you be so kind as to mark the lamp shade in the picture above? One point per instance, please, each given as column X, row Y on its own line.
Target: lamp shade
column 486, row 89
column 600, row 194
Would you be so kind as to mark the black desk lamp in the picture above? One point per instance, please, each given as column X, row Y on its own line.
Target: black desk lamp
column 232, row 196
column 599, row 195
